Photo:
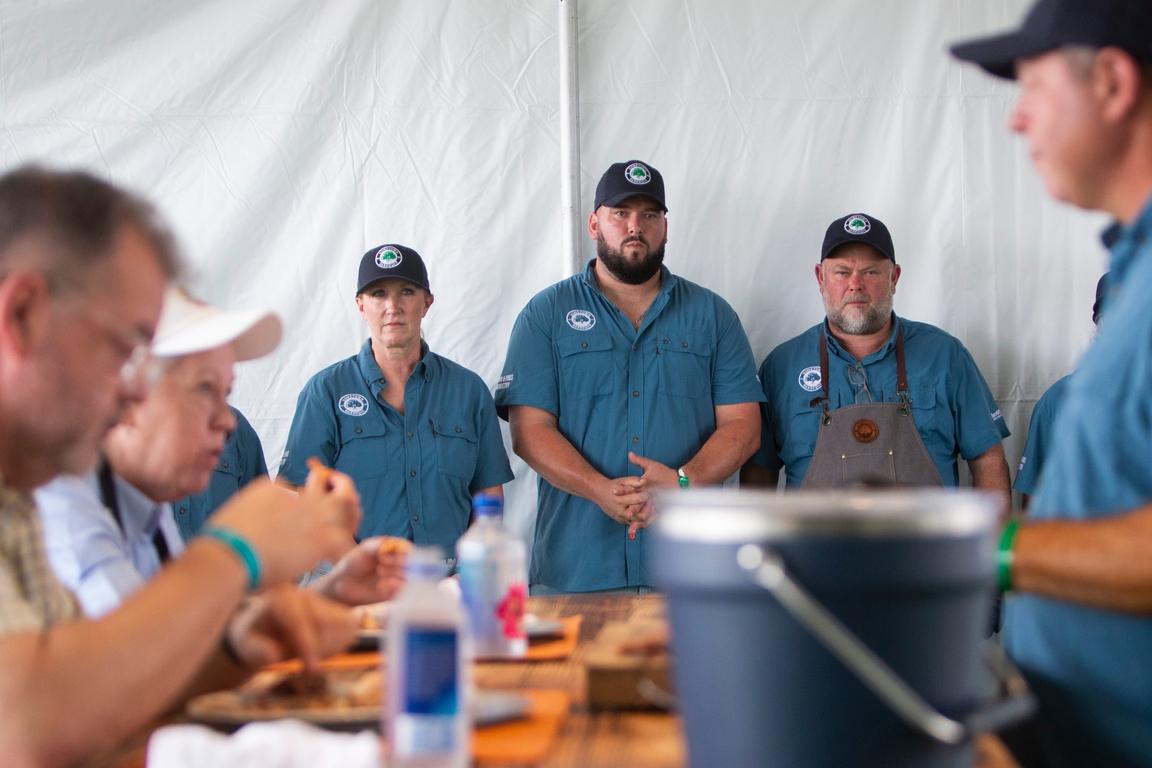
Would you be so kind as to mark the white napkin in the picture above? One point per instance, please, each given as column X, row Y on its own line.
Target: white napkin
column 278, row 744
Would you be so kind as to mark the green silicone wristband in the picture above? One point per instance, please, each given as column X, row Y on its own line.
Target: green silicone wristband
column 1005, row 555
column 683, row 481
column 241, row 547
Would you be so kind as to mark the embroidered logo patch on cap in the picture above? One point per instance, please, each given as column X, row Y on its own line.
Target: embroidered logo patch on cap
column 857, row 224
column 810, row 378
column 581, row 319
column 637, row 173
column 354, row 404
column 388, row 257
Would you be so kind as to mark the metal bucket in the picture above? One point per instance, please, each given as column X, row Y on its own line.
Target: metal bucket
column 834, row 629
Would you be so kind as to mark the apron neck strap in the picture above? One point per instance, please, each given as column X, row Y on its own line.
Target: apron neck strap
column 901, row 373
column 823, row 398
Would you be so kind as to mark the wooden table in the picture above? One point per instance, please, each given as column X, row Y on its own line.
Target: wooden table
column 587, row 739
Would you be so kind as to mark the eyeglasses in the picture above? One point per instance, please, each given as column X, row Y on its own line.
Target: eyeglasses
column 140, row 367
column 859, row 380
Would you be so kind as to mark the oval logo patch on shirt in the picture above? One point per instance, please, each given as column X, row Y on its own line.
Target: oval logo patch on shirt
column 581, row 319
column 354, row 404
column 865, row 431
column 810, row 378
column 388, row 257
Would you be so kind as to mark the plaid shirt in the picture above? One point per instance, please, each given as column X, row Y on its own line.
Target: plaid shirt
column 31, row 599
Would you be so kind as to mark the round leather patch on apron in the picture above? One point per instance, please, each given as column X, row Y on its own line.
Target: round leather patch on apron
column 865, row 431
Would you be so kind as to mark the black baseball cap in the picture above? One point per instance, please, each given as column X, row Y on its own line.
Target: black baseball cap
column 628, row 179
column 1051, row 24
column 392, row 260
column 858, row 228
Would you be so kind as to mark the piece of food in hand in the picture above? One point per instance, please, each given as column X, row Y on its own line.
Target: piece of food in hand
column 392, row 545
column 317, row 466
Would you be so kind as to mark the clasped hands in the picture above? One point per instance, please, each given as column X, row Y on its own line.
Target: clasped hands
column 628, row 500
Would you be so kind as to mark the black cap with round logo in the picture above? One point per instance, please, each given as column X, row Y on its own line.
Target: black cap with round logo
column 392, row 260
column 628, row 179
column 1052, row 24
column 858, row 228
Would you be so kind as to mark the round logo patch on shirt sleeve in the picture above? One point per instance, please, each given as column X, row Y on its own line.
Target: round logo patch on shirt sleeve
column 354, row 404
column 810, row 378
column 388, row 257
column 581, row 319
column 857, row 224
column 638, row 173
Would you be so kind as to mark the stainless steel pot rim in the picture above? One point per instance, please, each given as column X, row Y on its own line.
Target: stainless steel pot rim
column 737, row 515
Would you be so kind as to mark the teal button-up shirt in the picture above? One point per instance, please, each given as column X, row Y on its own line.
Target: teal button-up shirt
column 241, row 462
column 1092, row 669
column 416, row 472
column 1040, row 438
column 613, row 390
column 954, row 410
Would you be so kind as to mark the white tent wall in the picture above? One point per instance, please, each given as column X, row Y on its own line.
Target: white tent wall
column 283, row 138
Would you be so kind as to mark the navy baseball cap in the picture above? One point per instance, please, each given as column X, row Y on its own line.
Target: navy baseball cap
column 392, row 260
column 1052, row 24
column 628, row 179
column 858, row 228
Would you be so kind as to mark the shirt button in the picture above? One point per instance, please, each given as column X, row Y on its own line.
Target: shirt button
column 181, row 510
column 635, row 439
column 584, row 344
column 635, row 347
column 685, row 345
column 415, row 517
column 409, row 434
column 457, row 430
column 413, row 473
column 665, row 341
column 358, row 431
column 635, row 394
column 225, row 465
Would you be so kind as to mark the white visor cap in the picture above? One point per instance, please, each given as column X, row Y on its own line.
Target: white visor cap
column 187, row 326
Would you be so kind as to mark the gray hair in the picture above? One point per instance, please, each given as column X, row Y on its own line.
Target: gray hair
column 78, row 217
column 1082, row 58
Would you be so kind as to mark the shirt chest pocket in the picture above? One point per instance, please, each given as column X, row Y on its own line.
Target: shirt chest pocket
column 585, row 365
column 362, row 452
column 685, row 362
column 923, row 397
column 457, row 448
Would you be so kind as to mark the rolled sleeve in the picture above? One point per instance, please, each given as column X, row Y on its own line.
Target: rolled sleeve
column 529, row 377
column 492, row 467
column 979, row 423
column 734, row 372
column 313, row 433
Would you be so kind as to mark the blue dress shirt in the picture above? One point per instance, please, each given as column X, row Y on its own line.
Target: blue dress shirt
column 954, row 410
column 1040, row 438
column 102, row 563
column 613, row 390
column 1092, row 668
column 416, row 472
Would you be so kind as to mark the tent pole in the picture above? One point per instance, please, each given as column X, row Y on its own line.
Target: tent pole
column 570, row 223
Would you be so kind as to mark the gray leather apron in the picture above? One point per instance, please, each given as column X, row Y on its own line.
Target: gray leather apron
column 872, row 443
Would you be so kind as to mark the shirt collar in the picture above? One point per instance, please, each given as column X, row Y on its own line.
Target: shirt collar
column 139, row 515
column 880, row 354
column 374, row 377
column 1124, row 241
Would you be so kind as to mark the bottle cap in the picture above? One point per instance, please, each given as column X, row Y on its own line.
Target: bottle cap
column 487, row 505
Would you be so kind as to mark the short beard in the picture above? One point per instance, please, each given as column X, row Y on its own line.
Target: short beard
column 871, row 320
column 632, row 272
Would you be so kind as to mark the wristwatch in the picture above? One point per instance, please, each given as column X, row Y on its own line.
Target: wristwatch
column 683, row 479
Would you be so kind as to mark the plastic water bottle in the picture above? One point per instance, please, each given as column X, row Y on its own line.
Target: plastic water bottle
column 492, row 564
column 428, row 675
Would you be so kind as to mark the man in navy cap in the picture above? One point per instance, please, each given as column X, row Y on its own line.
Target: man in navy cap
column 619, row 381
column 869, row 397
column 416, row 432
column 1079, row 625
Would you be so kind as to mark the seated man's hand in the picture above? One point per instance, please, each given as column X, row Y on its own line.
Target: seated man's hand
column 285, row 622
column 370, row 573
column 291, row 532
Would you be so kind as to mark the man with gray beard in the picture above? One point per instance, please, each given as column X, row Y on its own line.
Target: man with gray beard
column 868, row 397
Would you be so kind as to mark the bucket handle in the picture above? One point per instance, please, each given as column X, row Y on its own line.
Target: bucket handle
column 768, row 570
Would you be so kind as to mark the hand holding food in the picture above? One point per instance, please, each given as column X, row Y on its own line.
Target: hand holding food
column 285, row 622
column 370, row 573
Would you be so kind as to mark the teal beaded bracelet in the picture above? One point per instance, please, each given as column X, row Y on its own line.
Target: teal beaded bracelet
column 241, row 547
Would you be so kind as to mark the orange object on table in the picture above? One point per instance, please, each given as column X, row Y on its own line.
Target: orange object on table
column 560, row 648
column 527, row 741
column 339, row 661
